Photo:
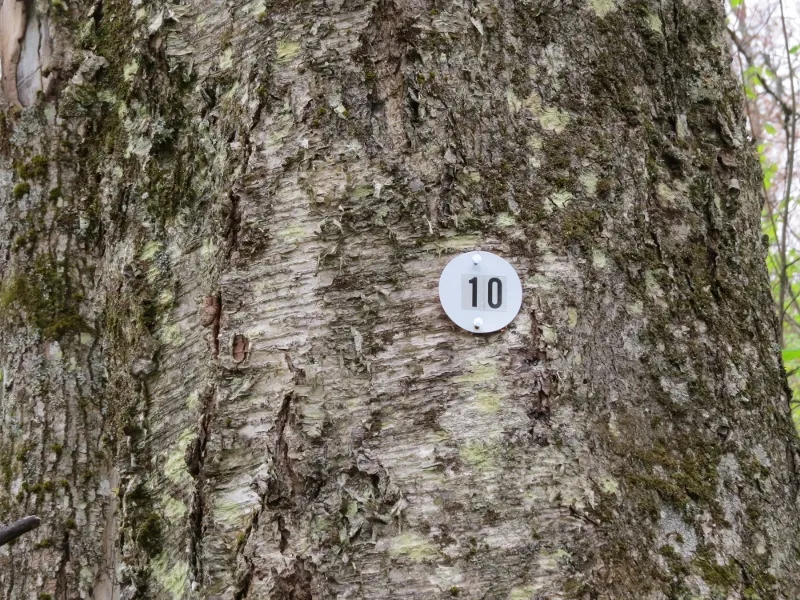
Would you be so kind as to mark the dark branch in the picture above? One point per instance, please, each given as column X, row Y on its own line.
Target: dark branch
column 18, row 528
column 785, row 108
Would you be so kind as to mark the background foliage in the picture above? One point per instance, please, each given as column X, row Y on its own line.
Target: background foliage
column 765, row 49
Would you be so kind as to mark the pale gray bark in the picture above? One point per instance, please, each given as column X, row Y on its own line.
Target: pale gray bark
column 226, row 373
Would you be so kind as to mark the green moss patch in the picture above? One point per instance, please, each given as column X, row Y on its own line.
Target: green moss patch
column 45, row 297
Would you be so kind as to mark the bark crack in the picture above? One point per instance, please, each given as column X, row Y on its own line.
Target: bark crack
column 283, row 464
column 61, row 574
column 279, row 492
column 97, row 13
column 296, row 585
column 234, row 223
column 195, row 461
column 244, row 583
column 544, row 381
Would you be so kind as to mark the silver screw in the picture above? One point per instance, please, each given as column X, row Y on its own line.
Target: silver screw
column 476, row 258
column 478, row 322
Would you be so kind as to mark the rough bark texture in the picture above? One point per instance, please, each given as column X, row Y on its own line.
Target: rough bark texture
column 225, row 371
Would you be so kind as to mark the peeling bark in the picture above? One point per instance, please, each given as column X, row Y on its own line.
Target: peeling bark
column 26, row 53
column 12, row 31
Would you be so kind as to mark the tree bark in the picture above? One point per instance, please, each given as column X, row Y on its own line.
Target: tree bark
column 225, row 370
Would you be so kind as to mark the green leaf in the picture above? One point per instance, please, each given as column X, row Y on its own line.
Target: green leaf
column 769, row 128
column 736, row 3
column 769, row 172
column 769, row 230
column 794, row 49
column 751, row 71
column 790, row 354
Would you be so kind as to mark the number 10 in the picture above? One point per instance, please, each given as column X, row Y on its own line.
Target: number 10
column 494, row 292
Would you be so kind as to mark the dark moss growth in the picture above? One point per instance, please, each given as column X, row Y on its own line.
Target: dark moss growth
column 36, row 168
column 690, row 475
column 6, row 465
column 753, row 513
column 22, row 453
column 69, row 523
column 697, row 476
column 45, row 596
column 7, row 474
column 117, row 23
column 46, row 298
column 722, row 576
column 25, row 240
column 54, row 194
column 605, row 186
column 58, row 449
column 138, row 495
column 20, row 190
column 558, row 154
column 149, row 534
column 170, row 189
column 675, row 564
column 581, row 227
column 668, row 551
column 455, row 591
column 44, row 543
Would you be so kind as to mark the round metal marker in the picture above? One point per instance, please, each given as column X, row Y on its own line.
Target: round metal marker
column 480, row 291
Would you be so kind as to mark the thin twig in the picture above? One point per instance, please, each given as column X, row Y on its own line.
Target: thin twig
column 791, row 117
column 742, row 48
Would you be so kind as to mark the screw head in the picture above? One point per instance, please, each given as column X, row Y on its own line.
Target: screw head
column 478, row 322
column 476, row 258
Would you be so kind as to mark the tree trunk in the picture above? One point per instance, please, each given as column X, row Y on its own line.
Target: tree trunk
column 225, row 370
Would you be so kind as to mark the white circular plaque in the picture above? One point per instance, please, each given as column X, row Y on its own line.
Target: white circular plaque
column 480, row 291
